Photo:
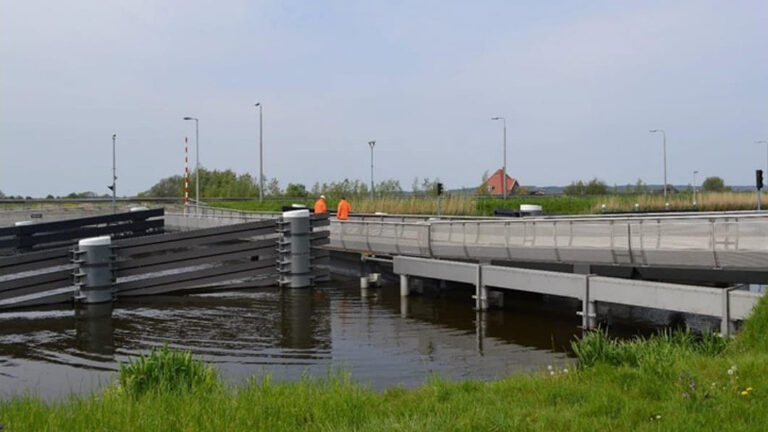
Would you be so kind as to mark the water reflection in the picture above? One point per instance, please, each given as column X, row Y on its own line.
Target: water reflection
column 93, row 329
column 379, row 336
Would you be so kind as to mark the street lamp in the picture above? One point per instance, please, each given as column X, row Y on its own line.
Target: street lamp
column 114, row 175
column 694, row 188
column 504, row 165
column 371, row 144
column 261, row 156
column 197, row 163
column 664, row 135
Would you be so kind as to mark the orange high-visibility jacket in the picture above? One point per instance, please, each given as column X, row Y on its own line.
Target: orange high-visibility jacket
column 320, row 206
column 342, row 213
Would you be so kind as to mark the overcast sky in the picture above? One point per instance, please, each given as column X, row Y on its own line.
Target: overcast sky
column 580, row 83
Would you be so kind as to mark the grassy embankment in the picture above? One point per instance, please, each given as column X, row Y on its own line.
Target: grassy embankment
column 669, row 382
column 474, row 206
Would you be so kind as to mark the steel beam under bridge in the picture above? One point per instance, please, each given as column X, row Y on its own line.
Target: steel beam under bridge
column 728, row 304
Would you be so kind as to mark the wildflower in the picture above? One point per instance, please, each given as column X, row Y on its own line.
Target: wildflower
column 749, row 389
column 551, row 373
column 549, row 368
column 658, row 416
column 685, row 395
column 565, row 371
column 730, row 371
column 692, row 385
column 744, row 393
column 734, row 368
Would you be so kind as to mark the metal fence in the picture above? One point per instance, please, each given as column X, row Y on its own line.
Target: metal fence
column 710, row 241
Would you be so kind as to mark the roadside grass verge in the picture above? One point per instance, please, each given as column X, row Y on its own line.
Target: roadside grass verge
column 672, row 381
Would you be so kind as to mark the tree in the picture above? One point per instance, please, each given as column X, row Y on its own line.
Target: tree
column 484, row 189
column 575, row 188
column 388, row 187
column 296, row 190
column 596, row 187
column 272, row 188
column 713, row 184
column 640, row 187
column 2, row 195
column 415, row 185
column 593, row 187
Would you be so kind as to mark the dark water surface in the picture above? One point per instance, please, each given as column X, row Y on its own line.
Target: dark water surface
column 381, row 339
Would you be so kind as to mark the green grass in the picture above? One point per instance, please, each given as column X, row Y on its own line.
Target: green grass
column 673, row 381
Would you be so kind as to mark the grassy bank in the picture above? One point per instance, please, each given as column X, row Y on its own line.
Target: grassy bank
column 673, row 381
column 462, row 205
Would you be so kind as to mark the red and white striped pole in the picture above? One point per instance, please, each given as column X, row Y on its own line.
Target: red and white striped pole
column 186, row 172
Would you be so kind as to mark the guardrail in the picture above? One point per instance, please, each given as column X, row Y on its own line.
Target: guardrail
column 734, row 241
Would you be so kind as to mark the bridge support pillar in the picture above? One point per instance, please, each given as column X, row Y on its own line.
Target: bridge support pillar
column 405, row 289
column 295, row 258
column 726, row 325
column 481, row 292
column 93, row 273
column 588, row 306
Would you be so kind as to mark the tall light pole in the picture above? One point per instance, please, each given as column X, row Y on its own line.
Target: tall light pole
column 197, row 163
column 694, row 188
column 504, row 165
column 664, row 135
column 372, row 144
column 261, row 155
column 766, row 148
column 114, row 175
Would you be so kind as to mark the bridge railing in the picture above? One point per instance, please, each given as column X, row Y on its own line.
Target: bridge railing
column 732, row 241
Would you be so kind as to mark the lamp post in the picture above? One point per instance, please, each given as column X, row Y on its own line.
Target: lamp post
column 664, row 135
column 694, row 188
column 372, row 144
column 197, row 163
column 766, row 148
column 261, row 155
column 114, row 175
column 504, row 165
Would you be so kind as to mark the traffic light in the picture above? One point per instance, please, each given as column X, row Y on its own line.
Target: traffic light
column 759, row 179
column 439, row 188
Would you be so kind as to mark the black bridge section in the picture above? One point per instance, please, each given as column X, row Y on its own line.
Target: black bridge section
column 34, row 237
column 227, row 257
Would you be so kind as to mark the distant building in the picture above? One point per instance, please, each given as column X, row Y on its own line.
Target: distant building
column 495, row 185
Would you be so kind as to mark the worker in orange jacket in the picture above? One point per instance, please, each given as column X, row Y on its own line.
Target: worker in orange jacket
column 320, row 206
column 342, row 212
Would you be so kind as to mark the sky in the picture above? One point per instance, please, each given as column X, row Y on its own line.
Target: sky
column 580, row 84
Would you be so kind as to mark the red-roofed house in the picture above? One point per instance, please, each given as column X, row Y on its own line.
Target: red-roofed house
column 495, row 186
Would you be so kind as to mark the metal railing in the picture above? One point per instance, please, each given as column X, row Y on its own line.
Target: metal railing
column 732, row 240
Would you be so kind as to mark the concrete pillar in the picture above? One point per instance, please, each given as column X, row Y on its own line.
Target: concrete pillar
column 93, row 274
column 295, row 262
column 404, row 307
column 405, row 290
column 726, row 325
column 481, row 292
column 589, row 307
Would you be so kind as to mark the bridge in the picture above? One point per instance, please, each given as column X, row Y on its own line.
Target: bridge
column 624, row 259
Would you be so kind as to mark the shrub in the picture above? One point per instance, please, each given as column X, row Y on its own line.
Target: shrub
column 165, row 370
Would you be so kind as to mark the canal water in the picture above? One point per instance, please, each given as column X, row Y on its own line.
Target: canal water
column 382, row 339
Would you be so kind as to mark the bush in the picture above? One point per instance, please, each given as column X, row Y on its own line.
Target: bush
column 165, row 370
